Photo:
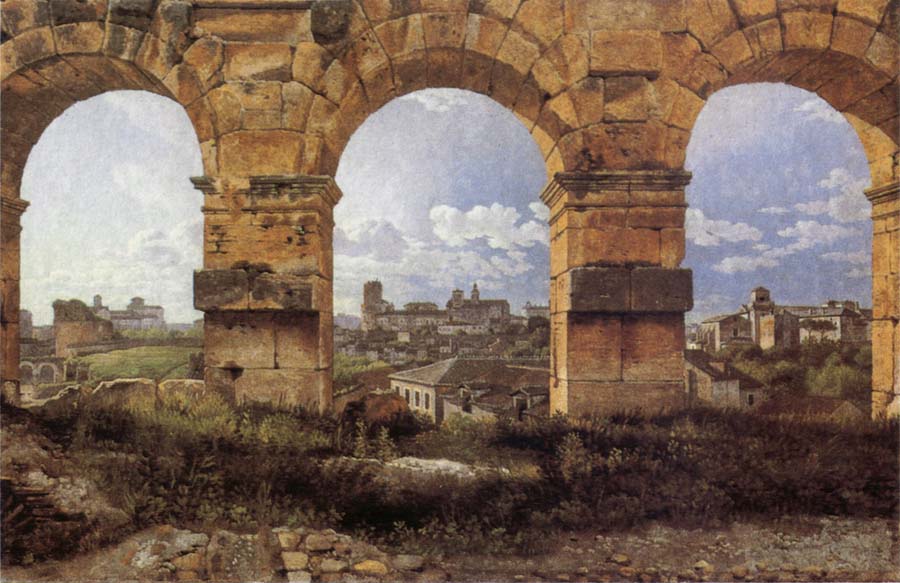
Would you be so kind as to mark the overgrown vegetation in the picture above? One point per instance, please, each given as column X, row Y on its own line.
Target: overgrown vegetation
column 153, row 362
column 195, row 461
column 818, row 367
column 346, row 369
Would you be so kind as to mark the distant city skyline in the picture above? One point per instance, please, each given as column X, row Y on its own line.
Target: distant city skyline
column 777, row 188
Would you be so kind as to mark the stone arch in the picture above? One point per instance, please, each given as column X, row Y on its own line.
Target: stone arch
column 846, row 53
column 47, row 372
column 520, row 56
column 54, row 54
column 26, row 373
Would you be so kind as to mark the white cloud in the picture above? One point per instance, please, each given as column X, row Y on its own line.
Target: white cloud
column 439, row 100
column 805, row 235
column 540, row 210
column 774, row 210
column 860, row 272
column 848, row 205
column 710, row 232
column 817, row 108
column 808, row 234
column 854, row 257
column 738, row 263
column 496, row 223
column 378, row 238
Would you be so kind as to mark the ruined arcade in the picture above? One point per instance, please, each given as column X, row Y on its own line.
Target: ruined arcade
column 609, row 90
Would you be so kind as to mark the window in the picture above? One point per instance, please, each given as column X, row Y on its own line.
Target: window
column 407, row 395
column 417, row 398
column 427, row 401
column 750, row 399
column 734, row 332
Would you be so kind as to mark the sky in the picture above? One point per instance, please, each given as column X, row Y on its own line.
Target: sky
column 441, row 191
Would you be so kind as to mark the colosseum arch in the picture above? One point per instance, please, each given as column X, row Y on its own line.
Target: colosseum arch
column 609, row 90
column 848, row 55
column 26, row 373
column 47, row 373
column 54, row 54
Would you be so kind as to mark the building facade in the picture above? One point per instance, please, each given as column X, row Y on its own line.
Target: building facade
column 137, row 316
column 765, row 324
column 378, row 314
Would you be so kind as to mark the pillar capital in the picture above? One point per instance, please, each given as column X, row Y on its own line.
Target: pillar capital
column 614, row 184
column 14, row 206
column 885, row 200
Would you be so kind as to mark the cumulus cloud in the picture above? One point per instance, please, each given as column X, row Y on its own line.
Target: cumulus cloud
column 540, row 210
column 860, row 272
column 808, row 234
column 378, row 238
column 774, row 210
column 804, row 234
column 817, row 108
column 854, row 257
column 848, row 205
column 496, row 223
column 708, row 232
column 438, row 100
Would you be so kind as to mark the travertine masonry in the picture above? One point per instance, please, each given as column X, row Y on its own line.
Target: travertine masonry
column 275, row 89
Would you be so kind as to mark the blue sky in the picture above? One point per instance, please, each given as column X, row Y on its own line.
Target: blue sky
column 441, row 190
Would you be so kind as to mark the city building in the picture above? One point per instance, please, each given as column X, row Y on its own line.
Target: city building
column 136, row 316
column 764, row 323
column 711, row 381
column 489, row 382
column 379, row 314
column 534, row 311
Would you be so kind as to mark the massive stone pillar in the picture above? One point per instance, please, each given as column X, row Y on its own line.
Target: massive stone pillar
column 885, row 301
column 617, row 295
column 11, row 210
column 266, row 288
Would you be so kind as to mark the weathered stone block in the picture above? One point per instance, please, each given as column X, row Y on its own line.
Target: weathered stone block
column 627, row 99
column 21, row 15
column 239, row 340
column 66, row 11
column 750, row 11
column 733, row 50
column 806, row 30
column 653, row 347
column 869, row 11
column 671, row 247
column 259, row 61
column 286, row 26
column 81, row 37
column 851, row 36
column 582, row 247
column 883, row 355
column 764, row 38
column 627, row 52
column 518, row 52
column 401, row 36
column 221, row 289
column 656, row 289
column 606, row 398
column 633, row 15
column 285, row 387
column 595, row 289
column 250, row 152
column 587, row 346
column 281, row 291
column 656, row 217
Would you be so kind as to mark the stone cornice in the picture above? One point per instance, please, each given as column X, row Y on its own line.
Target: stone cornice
column 254, row 4
column 15, row 206
column 293, row 187
column 205, row 184
column 613, row 180
column 882, row 194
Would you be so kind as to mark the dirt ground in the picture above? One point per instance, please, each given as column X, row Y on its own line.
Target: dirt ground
column 811, row 549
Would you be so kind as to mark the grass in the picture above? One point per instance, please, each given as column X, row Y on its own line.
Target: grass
column 153, row 362
column 198, row 462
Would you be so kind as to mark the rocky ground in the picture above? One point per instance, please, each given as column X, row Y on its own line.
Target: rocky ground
column 796, row 550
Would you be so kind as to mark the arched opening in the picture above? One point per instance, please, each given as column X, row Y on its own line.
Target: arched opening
column 441, row 244
column 26, row 373
column 37, row 92
column 778, row 237
column 46, row 374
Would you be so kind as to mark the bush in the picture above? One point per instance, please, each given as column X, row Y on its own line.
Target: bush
column 200, row 462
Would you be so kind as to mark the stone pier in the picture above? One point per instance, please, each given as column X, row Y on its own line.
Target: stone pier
column 266, row 289
column 617, row 294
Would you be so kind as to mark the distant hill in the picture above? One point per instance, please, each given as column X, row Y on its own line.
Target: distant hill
column 348, row 321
